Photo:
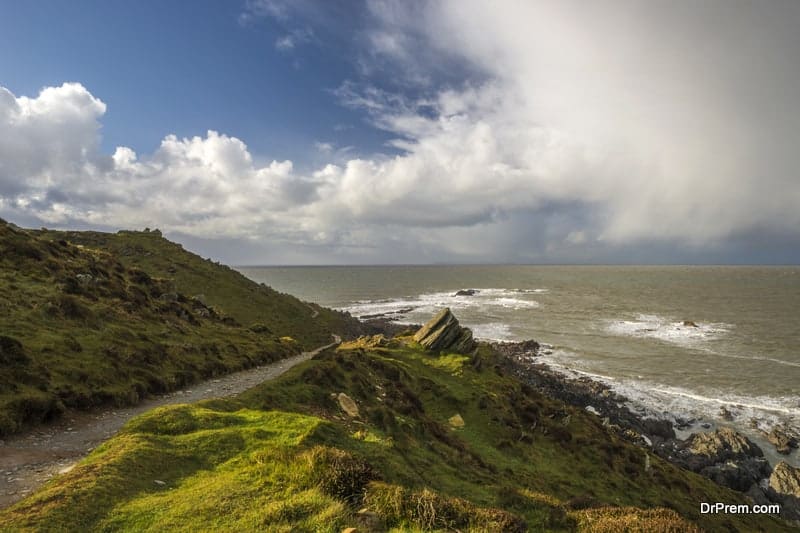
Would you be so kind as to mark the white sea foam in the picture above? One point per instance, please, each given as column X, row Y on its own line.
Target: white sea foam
column 668, row 330
column 676, row 403
column 484, row 299
column 493, row 331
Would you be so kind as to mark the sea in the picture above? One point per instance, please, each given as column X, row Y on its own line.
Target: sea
column 680, row 342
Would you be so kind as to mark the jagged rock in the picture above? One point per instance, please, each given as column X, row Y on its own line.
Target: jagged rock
column 456, row 421
column 443, row 332
column 737, row 475
column 722, row 445
column 725, row 413
column 347, row 404
column 658, row 428
column 374, row 341
column 467, row 292
column 785, row 479
column 783, row 441
column 784, row 488
column 725, row 456
column 690, row 323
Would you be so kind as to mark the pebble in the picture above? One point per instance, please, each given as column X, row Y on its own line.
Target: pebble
column 159, row 482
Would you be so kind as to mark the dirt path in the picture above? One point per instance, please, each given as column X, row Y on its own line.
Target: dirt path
column 30, row 459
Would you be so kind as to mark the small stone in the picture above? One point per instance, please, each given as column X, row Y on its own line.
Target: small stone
column 347, row 404
column 159, row 482
column 456, row 421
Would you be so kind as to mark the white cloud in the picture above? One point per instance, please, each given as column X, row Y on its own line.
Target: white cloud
column 52, row 168
column 588, row 125
column 293, row 39
column 324, row 147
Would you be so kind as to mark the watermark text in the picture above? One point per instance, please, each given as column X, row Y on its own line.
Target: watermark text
column 726, row 508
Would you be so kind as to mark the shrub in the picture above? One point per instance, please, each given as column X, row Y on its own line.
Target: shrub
column 12, row 352
column 340, row 474
column 429, row 510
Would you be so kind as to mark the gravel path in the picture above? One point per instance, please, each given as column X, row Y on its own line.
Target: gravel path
column 30, row 459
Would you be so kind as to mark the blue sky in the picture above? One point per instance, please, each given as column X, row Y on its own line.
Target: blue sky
column 186, row 67
column 384, row 131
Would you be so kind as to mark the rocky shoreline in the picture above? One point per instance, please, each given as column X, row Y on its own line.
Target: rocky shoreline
column 724, row 455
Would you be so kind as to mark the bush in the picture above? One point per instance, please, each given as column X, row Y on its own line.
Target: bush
column 71, row 307
column 633, row 520
column 428, row 510
column 12, row 352
column 340, row 474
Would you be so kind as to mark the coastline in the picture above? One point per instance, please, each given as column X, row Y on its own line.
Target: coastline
column 745, row 461
column 722, row 453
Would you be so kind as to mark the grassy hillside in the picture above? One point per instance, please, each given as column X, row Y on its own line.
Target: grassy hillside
column 89, row 319
column 285, row 456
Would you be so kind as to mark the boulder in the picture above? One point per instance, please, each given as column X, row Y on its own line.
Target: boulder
column 443, row 333
column 347, row 404
column 456, row 421
column 721, row 445
column 737, row 475
column 782, row 440
column 784, row 488
column 467, row 292
column 690, row 323
column 725, row 456
column 785, row 479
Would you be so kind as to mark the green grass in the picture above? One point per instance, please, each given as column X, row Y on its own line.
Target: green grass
column 283, row 456
column 91, row 319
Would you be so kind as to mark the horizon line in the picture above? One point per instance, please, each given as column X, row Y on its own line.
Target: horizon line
column 350, row 265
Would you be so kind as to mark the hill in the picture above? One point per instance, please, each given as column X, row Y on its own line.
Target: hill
column 90, row 319
column 380, row 436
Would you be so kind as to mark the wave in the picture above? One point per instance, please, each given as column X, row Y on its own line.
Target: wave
column 684, row 333
column 751, row 414
column 493, row 331
column 425, row 304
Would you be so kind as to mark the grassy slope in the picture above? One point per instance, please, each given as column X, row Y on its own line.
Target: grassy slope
column 88, row 319
column 284, row 457
column 222, row 287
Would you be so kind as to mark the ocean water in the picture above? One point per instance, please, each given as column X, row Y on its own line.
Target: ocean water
column 621, row 324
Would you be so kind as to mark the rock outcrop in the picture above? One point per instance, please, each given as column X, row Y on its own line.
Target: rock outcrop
column 728, row 458
column 467, row 292
column 784, row 488
column 782, row 439
column 443, row 333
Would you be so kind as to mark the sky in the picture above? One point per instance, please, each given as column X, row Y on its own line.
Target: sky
column 260, row 132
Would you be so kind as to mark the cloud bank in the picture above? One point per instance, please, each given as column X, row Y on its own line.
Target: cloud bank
column 580, row 127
